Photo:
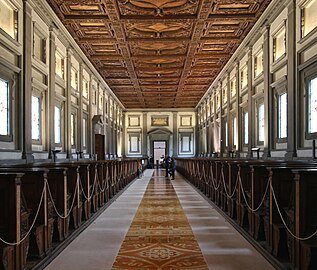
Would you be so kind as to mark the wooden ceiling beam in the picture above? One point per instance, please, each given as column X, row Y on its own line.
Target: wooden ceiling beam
column 231, row 16
column 136, row 57
column 80, row 18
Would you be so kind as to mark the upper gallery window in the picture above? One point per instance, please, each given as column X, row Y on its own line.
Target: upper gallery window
column 282, row 116
column 8, row 18
column 36, row 118
column 312, row 105
column 5, row 110
column 258, row 63
column 208, row 108
column 100, row 103
column 308, row 19
column 233, row 86
column 39, row 46
column 218, row 101
column 244, row 77
column 224, row 95
column 212, row 109
column 59, row 65
column 279, row 44
column 85, row 89
column 74, row 78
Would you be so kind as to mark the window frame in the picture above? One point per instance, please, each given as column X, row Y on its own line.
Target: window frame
column 244, row 112
column 43, row 39
column 309, row 135
column 15, row 22
column 259, row 103
column 255, row 60
column 278, row 93
column 181, row 137
column 73, row 133
column 11, row 89
column 281, row 28
column 41, row 117
column 61, row 107
column 234, row 133
column 63, row 64
column 85, row 132
column 134, row 135
column 302, row 7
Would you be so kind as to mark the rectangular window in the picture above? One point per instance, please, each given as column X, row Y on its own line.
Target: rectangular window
column 312, row 106
column 59, row 65
column 36, row 118
column 100, row 102
column 279, row 44
column 282, row 116
column 224, row 95
column 85, row 89
column 246, row 127
column 233, row 86
column 4, row 108
column 74, row 78
column 244, row 77
column 258, row 64
column 235, row 137
column 308, row 13
column 57, row 125
column 73, row 129
column 218, row 101
column 39, row 46
column 261, row 123
column 208, row 109
column 84, row 132
column 8, row 18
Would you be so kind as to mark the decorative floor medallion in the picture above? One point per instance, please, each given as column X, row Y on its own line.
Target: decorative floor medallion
column 160, row 236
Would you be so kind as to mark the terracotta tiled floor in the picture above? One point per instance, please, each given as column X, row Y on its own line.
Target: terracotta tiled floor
column 222, row 247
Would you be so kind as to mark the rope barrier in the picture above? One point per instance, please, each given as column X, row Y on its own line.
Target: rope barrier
column 284, row 223
column 269, row 184
column 245, row 199
column 92, row 192
column 225, row 186
column 54, row 205
column 31, row 227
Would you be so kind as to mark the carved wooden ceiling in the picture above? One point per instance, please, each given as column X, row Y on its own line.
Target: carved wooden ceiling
column 159, row 53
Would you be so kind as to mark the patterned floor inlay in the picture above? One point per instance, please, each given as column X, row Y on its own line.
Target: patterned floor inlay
column 160, row 236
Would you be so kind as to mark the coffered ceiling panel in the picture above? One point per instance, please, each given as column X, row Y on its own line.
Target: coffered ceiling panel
column 159, row 53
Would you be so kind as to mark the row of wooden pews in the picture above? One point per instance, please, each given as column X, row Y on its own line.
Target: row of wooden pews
column 42, row 204
column 273, row 201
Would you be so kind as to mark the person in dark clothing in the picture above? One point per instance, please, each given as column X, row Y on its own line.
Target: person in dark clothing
column 151, row 162
column 167, row 162
column 173, row 168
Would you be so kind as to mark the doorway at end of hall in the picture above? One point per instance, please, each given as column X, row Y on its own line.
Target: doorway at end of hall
column 159, row 152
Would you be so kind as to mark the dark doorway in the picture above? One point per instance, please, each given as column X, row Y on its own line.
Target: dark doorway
column 100, row 146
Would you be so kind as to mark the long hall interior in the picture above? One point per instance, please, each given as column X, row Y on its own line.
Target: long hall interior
column 158, row 134
column 159, row 223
